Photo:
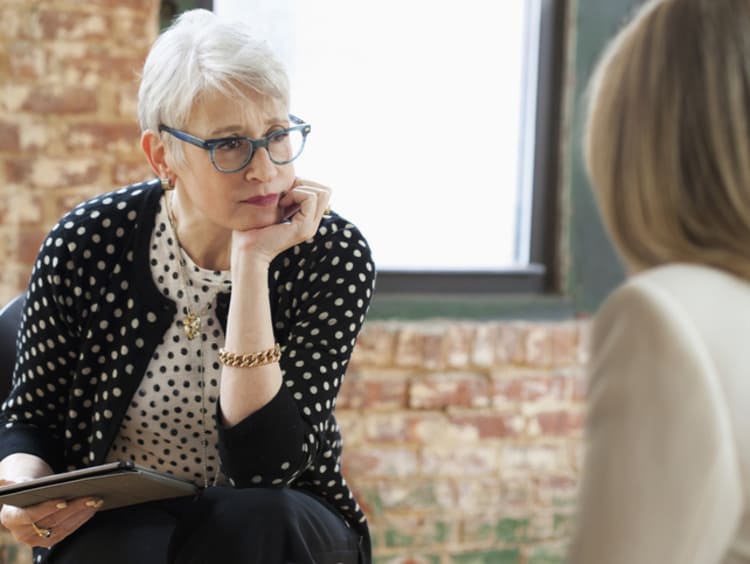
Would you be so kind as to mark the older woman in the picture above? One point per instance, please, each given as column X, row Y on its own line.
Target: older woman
column 666, row 478
column 199, row 324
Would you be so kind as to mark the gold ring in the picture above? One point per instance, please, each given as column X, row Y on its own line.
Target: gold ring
column 43, row 533
column 327, row 211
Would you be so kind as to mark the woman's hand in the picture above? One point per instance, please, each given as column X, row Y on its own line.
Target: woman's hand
column 302, row 208
column 50, row 522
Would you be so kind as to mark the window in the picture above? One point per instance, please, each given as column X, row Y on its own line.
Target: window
column 426, row 122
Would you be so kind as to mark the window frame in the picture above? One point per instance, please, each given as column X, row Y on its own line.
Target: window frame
column 540, row 277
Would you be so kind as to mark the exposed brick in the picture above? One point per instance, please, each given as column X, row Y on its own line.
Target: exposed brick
column 60, row 100
column 533, row 459
column 124, row 173
column 129, row 27
column 373, row 391
column 421, row 495
column 556, row 490
column 28, row 208
column 487, row 493
column 509, row 347
column 459, row 460
column 26, row 60
column 491, row 425
column 418, row 531
column 550, row 524
column 459, row 345
column 416, row 428
column 538, row 345
column 137, row 5
column 409, row 349
column 352, row 426
column 564, row 341
column 9, row 138
column 48, row 173
column 433, row 350
column 375, row 346
column 109, row 137
column 30, row 240
column 13, row 20
column 126, row 102
column 410, row 558
column 103, row 64
column 49, row 24
column 524, row 387
column 484, row 345
column 456, row 389
column 494, row 527
column 68, row 198
column 370, row 462
column 487, row 556
column 548, row 552
column 558, row 423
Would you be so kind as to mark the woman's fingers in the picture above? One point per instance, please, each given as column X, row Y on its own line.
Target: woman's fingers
column 312, row 198
column 47, row 523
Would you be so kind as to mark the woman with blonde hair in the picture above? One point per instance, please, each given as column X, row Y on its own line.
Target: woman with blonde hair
column 666, row 474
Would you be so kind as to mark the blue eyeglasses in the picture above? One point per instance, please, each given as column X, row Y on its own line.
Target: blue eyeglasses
column 231, row 154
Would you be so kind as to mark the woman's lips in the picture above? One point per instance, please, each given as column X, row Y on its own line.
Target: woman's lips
column 263, row 201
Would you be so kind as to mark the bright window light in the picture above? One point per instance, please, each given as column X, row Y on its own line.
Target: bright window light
column 423, row 120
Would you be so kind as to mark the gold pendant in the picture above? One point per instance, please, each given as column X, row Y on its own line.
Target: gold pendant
column 191, row 325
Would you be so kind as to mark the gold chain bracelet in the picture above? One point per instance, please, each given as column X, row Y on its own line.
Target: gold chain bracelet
column 250, row 360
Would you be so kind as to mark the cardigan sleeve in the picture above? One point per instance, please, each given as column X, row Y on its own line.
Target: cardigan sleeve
column 322, row 292
column 661, row 481
column 31, row 420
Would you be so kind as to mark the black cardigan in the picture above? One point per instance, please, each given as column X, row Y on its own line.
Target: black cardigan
column 94, row 317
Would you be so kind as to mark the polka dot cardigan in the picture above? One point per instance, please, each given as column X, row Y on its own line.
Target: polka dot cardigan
column 94, row 317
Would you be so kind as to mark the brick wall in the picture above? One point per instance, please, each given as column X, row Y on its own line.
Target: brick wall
column 462, row 439
column 67, row 113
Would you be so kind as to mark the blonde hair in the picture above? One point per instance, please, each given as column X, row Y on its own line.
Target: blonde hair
column 667, row 142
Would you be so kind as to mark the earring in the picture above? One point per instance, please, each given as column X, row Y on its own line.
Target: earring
column 166, row 185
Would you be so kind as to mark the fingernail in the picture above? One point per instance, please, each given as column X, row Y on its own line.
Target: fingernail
column 95, row 503
column 61, row 505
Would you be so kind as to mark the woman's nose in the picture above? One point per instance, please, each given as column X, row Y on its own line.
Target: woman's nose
column 261, row 167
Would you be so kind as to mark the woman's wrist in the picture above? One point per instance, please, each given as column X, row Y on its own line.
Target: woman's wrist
column 22, row 466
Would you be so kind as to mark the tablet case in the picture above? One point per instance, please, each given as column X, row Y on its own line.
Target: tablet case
column 117, row 483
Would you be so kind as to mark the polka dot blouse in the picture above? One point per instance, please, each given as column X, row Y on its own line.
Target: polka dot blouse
column 169, row 425
column 98, row 356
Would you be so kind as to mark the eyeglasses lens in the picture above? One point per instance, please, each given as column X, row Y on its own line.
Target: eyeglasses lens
column 283, row 147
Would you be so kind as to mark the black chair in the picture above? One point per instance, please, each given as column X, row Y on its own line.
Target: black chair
column 10, row 319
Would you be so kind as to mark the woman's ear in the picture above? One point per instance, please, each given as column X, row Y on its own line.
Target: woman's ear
column 155, row 152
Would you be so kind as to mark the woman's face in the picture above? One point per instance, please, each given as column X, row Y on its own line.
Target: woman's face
column 242, row 200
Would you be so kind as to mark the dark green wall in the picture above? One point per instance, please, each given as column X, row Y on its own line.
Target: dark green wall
column 593, row 270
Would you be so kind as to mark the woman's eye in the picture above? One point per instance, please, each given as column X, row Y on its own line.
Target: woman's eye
column 230, row 145
column 279, row 136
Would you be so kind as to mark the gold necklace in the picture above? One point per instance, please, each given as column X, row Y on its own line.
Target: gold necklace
column 191, row 325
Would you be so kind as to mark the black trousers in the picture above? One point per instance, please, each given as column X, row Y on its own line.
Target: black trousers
column 220, row 526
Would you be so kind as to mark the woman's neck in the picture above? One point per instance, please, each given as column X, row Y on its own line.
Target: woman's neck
column 207, row 245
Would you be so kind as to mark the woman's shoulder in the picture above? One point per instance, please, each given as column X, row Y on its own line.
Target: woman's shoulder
column 679, row 298
column 100, row 226
column 121, row 202
column 337, row 243
column 683, row 285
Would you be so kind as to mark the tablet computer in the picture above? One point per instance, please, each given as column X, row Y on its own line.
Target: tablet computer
column 117, row 483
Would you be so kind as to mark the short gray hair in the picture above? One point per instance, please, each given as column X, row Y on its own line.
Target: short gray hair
column 201, row 54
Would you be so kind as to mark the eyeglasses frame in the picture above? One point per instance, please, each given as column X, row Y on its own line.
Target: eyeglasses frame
column 211, row 144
